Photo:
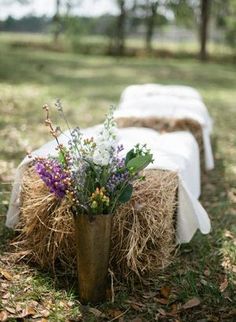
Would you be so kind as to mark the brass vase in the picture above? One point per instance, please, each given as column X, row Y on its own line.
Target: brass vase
column 93, row 239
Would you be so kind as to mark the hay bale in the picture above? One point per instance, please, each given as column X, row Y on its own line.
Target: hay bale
column 143, row 235
column 46, row 231
column 144, row 228
column 165, row 125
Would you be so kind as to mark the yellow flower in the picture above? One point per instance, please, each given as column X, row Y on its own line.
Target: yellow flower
column 94, row 204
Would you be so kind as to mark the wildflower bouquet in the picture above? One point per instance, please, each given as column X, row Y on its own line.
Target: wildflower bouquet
column 90, row 172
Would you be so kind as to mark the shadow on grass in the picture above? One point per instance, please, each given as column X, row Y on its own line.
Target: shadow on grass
column 82, row 71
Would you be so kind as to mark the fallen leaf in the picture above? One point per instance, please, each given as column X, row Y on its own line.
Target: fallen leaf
column 174, row 309
column 96, row 312
column 42, row 313
column 162, row 301
column 6, row 275
column 18, row 307
column 165, row 291
column 223, row 285
column 114, row 313
column 191, row 303
column 10, row 310
column 229, row 234
column 45, row 313
column 162, row 312
column 28, row 311
column 34, row 303
column 137, row 306
column 149, row 295
column 3, row 316
column 6, row 296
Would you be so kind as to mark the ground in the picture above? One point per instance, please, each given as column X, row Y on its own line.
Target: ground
column 200, row 284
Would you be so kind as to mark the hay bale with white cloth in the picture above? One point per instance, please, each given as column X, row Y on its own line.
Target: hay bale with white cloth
column 152, row 106
column 145, row 233
column 151, row 89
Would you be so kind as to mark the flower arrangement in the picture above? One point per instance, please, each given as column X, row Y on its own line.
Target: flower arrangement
column 90, row 172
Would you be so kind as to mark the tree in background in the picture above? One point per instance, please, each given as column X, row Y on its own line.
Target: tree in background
column 204, row 23
column 225, row 16
column 145, row 13
column 150, row 22
column 194, row 13
column 57, row 22
column 120, row 28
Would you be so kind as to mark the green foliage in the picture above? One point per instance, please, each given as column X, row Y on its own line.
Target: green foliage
column 185, row 12
column 139, row 163
column 129, row 156
column 26, row 24
column 126, row 194
column 61, row 157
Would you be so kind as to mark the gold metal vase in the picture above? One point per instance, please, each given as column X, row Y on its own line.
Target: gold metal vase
column 93, row 239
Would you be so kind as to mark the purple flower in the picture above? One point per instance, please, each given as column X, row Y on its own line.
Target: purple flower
column 116, row 180
column 120, row 148
column 53, row 175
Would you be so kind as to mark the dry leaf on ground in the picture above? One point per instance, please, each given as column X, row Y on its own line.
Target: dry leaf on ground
column 10, row 310
column 165, row 291
column 6, row 275
column 28, row 311
column 114, row 313
column 161, row 301
column 3, row 316
column 96, row 312
column 223, row 285
column 191, row 303
column 162, row 312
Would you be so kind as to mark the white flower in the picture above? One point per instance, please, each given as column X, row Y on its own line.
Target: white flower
column 105, row 141
column 101, row 157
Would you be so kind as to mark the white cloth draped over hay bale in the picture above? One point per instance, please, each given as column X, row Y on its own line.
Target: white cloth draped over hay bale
column 153, row 106
column 139, row 90
column 145, row 231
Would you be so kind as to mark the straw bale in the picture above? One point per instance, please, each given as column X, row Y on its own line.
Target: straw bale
column 162, row 124
column 143, row 237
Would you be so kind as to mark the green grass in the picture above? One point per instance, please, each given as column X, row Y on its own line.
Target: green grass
column 99, row 45
column 88, row 85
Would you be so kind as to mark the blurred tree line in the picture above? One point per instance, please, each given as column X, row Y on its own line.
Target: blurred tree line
column 133, row 15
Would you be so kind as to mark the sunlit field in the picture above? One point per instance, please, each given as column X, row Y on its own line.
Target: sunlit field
column 97, row 44
column 88, row 85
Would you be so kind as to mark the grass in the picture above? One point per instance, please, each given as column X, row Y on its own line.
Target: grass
column 100, row 45
column 87, row 86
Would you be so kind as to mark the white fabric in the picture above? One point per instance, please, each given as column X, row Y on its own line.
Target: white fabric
column 157, row 89
column 171, row 107
column 176, row 151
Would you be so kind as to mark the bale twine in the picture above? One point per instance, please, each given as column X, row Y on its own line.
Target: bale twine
column 166, row 125
column 143, row 237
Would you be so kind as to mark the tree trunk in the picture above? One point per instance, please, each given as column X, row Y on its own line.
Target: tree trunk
column 120, row 39
column 56, row 21
column 205, row 14
column 151, row 24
